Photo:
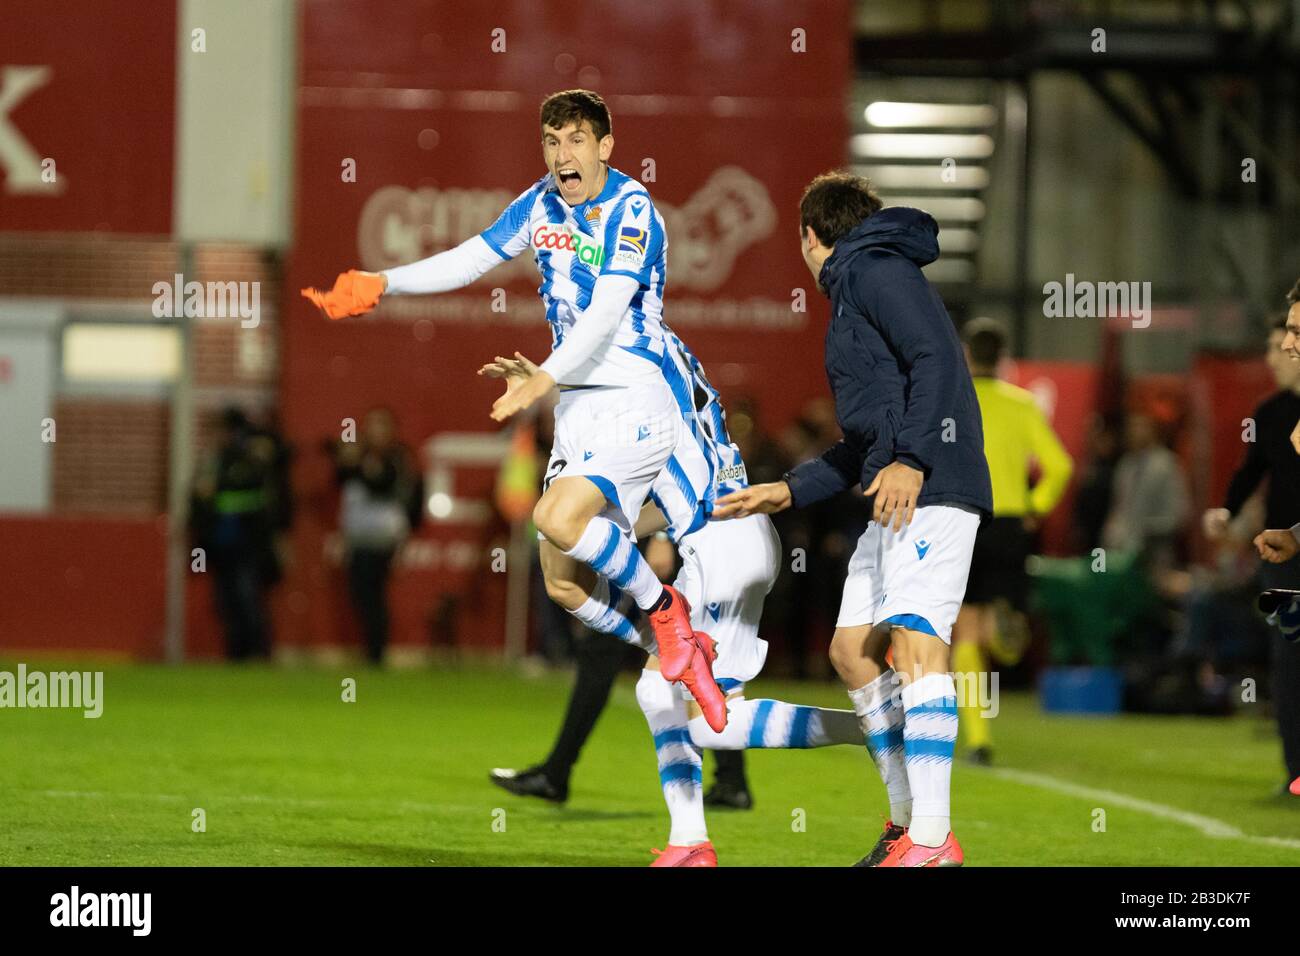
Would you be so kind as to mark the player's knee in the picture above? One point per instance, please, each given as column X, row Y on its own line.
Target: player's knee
column 544, row 518
column 705, row 737
column 560, row 520
column 845, row 654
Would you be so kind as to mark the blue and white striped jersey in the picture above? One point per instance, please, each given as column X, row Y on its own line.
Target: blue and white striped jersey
column 620, row 233
column 696, row 477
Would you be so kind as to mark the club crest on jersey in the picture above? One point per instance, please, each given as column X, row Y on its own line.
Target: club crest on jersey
column 593, row 214
column 564, row 239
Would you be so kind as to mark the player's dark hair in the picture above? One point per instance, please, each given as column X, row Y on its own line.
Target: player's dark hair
column 987, row 340
column 574, row 106
column 1293, row 296
column 1279, row 323
column 834, row 203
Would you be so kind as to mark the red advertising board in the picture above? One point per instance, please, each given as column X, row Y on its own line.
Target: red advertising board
column 87, row 127
column 724, row 110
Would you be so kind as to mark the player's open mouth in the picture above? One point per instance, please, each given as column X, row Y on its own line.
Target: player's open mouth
column 569, row 177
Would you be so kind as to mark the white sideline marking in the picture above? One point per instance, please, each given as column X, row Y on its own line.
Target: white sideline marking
column 1218, row 829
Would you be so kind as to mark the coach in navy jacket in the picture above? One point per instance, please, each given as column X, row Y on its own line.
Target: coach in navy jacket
column 896, row 368
column 903, row 393
column 914, row 440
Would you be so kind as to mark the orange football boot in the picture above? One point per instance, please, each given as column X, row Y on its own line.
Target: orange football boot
column 701, row 854
column 673, row 633
column 698, row 679
column 907, row 853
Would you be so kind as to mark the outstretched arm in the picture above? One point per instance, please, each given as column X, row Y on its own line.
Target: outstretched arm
column 453, row 269
column 356, row 292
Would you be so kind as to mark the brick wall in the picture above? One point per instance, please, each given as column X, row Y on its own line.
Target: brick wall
column 110, row 456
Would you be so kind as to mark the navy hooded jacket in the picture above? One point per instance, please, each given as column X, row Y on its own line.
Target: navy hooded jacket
column 896, row 368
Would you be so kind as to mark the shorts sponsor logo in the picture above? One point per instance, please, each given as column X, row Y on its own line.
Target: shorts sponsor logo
column 922, row 547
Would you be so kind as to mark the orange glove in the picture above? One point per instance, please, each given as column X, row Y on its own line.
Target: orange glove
column 354, row 293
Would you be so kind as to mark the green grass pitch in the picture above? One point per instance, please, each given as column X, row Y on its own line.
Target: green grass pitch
column 288, row 774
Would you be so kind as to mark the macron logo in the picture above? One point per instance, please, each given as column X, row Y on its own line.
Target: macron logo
column 642, row 432
column 102, row 909
column 714, row 610
column 636, row 208
column 922, row 547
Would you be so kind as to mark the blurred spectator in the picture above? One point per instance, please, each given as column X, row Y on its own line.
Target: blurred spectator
column 1093, row 491
column 1017, row 437
column 382, row 501
column 1222, row 637
column 764, row 458
column 818, row 541
column 1149, row 507
column 1270, row 457
column 240, row 500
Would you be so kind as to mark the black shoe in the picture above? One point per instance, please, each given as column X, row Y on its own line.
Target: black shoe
column 728, row 795
column 981, row 757
column 532, row 782
column 893, row 833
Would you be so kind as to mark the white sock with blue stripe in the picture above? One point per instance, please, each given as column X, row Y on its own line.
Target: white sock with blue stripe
column 774, row 724
column 880, row 720
column 929, row 732
column 612, row 554
column 604, row 611
column 681, row 762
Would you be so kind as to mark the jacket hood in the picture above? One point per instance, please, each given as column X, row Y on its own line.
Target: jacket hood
column 901, row 230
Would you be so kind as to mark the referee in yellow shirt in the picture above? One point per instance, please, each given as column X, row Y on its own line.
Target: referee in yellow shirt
column 1017, row 436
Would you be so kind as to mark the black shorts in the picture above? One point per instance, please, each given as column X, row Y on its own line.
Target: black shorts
column 997, row 567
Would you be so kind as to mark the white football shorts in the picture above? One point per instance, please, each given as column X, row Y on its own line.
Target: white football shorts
column 620, row 438
column 915, row 578
column 728, row 568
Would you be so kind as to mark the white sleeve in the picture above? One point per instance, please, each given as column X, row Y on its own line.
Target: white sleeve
column 610, row 297
column 453, row 269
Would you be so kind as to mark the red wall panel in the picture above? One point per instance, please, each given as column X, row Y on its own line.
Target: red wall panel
column 103, row 111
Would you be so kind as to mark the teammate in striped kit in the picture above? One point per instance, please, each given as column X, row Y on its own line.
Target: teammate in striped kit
column 600, row 247
column 727, row 570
